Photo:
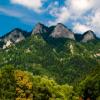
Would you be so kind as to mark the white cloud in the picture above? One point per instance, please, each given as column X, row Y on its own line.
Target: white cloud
column 61, row 16
column 80, row 28
column 30, row 4
column 96, row 18
column 80, row 6
column 94, row 22
column 17, row 14
column 10, row 12
column 73, row 9
column 87, row 12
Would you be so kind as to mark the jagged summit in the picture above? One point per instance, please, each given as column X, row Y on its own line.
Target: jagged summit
column 61, row 31
column 48, row 34
column 58, row 31
column 40, row 29
column 14, row 36
column 87, row 36
column 15, row 31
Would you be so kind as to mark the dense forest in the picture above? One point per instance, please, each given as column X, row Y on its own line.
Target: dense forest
column 58, row 69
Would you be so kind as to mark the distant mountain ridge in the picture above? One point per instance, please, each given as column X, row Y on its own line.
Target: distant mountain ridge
column 56, row 32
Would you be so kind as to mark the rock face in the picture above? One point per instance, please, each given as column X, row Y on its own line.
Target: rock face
column 87, row 36
column 14, row 36
column 48, row 33
column 40, row 29
column 61, row 31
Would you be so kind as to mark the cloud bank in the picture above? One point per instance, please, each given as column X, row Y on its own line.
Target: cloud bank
column 84, row 15
column 10, row 12
column 35, row 5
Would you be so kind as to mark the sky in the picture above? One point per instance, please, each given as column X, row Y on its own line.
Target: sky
column 78, row 15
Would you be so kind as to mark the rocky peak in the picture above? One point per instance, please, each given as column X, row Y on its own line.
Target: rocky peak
column 87, row 36
column 14, row 36
column 61, row 31
column 40, row 29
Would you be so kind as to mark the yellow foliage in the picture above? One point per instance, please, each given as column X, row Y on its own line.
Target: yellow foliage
column 23, row 85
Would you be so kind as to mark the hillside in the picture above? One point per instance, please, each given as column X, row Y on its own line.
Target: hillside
column 55, row 52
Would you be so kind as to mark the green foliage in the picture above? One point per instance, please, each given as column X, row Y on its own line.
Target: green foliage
column 45, row 89
column 7, row 83
column 22, row 85
column 63, row 60
column 90, row 87
column 68, row 61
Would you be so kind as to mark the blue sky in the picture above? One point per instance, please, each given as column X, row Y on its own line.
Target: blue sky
column 79, row 15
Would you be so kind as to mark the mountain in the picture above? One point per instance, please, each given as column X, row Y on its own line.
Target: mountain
column 87, row 36
column 40, row 29
column 13, row 37
column 53, row 34
column 61, row 31
column 38, row 55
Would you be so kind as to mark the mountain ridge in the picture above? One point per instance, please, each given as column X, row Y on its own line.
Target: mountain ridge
column 49, row 33
column 65, row 60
